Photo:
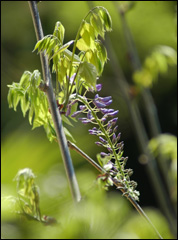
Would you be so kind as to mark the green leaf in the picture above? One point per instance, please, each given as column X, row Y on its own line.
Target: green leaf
column 25, row 104
column 103, row 12
column 88, row 72
column 63, row 48
column 82, row 45
column 66, row 120
column 59, row 31
column 92, row 57
column 88, row 30
column 25, row 79
column 97, row 24
column 30, row 114
column 68, row 54
column 68, row 134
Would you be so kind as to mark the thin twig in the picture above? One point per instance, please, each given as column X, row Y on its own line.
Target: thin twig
column 53, row 108
column 116, row 183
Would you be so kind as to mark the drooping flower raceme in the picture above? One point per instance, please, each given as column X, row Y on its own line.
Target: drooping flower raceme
column 104, row 119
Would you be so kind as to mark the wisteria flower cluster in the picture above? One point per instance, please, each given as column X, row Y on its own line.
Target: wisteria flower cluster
column 104, row 120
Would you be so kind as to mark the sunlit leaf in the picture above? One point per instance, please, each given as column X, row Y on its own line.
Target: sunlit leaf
column 59, row 31
column 63, row 48
column 89, row 73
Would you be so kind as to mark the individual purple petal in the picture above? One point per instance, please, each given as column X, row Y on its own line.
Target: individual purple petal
column 105, row 110
column 89, row 115
column 113, row 114
column 109, row 149
column 96, row 96
column 103, row 154
column 113, row 121
column 114, row 139
column 118, row 137
column 75, row 113
column 104, row 99
column 115, row 129
column 98, row 87
column 103, row 119
column 102, row 140
column 99, row 143
column 99, row 104
column 108, row 102
column 92, row 132
column 82, row 107
column 84, row 120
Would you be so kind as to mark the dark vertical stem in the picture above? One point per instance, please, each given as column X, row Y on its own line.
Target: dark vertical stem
column 61, row 138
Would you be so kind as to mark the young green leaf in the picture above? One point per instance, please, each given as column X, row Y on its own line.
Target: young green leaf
column 59, row 31
column 63, row 48
column 88, row 72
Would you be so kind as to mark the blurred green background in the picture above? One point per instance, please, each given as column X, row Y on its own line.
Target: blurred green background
column 152, row 23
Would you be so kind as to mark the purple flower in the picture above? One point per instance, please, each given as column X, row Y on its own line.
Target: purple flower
column 99, row 143
column 98, row 87
column 102, row 102
column 112, row 114
column 75, row 114
column 108, row 102
column 114, row 139
column 89, row 115
column 82, row 107
column 84, row 120
column 102, row 140
column 99, row 104
column 105, row 110
column 103, row 154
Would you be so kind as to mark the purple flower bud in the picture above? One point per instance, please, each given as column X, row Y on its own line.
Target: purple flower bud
column 114, row 139
column 75, row 114
column 113, row 114
column 113, row 121
column 103, row 154
column 102, row 140
column 82, row 107
column 105, row 99
column 89, row 115
column 92, row 132
column 99, row 143
column 109, row 149
column 118, row 137
column 105, row 110
column 115, row 129
column 98, row 87
column 108, row 102
column 103, row 119
column 99, row 104
column 85, row 120
column 96, row 96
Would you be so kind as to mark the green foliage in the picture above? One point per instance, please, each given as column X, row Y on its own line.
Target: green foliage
column 97, row 216
column 28, row 194
column 155, row 64
column 165, row 146
column 84, row 67
column 88, row 64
